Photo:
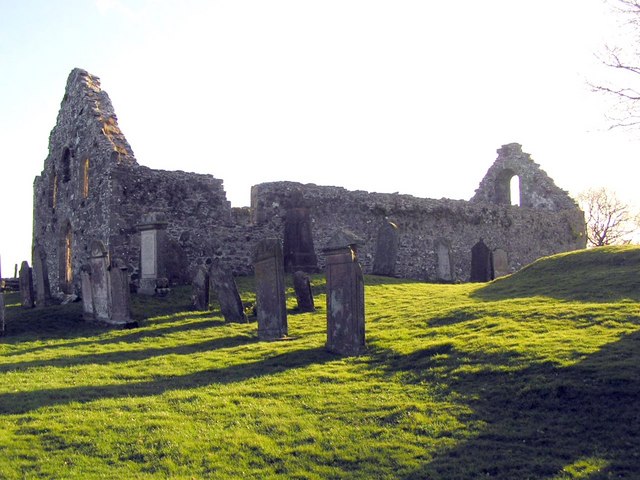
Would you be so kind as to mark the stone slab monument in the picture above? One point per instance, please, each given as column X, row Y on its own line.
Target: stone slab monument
column 3, row 314
column 500, row 263
column 345, row 295
column 120, row 292
column 41, row 273
column 299, row 252
column 26, row 285
column 271, row 304
column 200, row 285
column 87, row 296
column 100, row 288
column 227, row 292
column 444, row 260
column 386, row 250
column 304, row 294
column 153, row 236
column 481, row 263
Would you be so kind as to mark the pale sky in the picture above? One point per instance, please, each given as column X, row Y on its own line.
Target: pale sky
column 379, row 95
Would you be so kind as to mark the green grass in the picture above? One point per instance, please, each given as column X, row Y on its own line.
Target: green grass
column 534, row 376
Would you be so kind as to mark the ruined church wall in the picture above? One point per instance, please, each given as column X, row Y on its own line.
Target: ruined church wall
column 524, row 233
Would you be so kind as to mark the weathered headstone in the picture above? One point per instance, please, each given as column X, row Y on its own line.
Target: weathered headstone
column 384, row 262
column 299, row 252
column 304, row 294
column 270, row 294
column 444, row 270
column 87, row 296
column 200, row 284
column 500, row 263
column 227, row 292
column 481, row 263
column 100, row 288
column 152, row 229
column 26, row 285
column 345, row 295
column 2, row 314
column 41, row 272
column 120, row 298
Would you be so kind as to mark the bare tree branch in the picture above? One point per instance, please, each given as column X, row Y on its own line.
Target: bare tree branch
column 609, row 220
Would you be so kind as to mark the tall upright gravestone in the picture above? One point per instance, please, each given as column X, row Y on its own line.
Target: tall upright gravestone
column 120, row 292
column 500, row 263
column 304, row 294
column 270, row 293
column 481, row 263
column 87, row 295
column 444, row 262
column 26, row 285
column 227, row 292
column 153, row 233
column 2, row 313
column 100, row 289
column 200, row 285
column 345, row 295
column 384, row 262
column 41, row 272
column 299, row 251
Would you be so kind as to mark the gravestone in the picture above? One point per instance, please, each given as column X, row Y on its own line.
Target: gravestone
column 345, row 295
column 153, row 234
column 227, row 292
column 384, row 262
column 200, row 284
column 120, row 298
column 304, row 294
column 500, row 263
column 100, row 288
column 41, row 272
column 270, row 294
column 481, row 263
column 87, row 296
column 444, row 271
column 299, row 252
column 2, row 314
column 26, row 285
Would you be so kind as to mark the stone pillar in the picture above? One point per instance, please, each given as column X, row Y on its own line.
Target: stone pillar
column 386, row 250
column 153, row 233
column 41, row 271
column 87, row 296
column 270, row 292
column 345, row 295
column 200, row 284
column 227, row 292
column 120, row 293
column 100, row 288
column 304, row 294
column 26, row 285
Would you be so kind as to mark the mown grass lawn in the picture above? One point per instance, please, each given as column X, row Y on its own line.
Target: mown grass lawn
column 535, row 376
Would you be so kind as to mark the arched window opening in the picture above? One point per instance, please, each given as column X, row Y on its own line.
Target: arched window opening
column 514, row 190
column 66, row 165
column 503, row 189
column 65, row 258
column 85, row 179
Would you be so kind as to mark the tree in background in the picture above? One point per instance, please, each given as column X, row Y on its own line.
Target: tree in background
column 609, row 220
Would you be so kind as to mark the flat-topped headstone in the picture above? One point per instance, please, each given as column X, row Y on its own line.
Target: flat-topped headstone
column 299, row 252
column 444, row 271
column 226, row 290
column 500, row 263
column 386, row 250
column 152, row 229
column 41, row 273
column 87, row 296
column 200, row 286
column 100, row 288
column 481, row 263
column 120, row 292
column 345, row 295
column 2, row 314
column 26, row 285
column 304, row 294
column 270, row 292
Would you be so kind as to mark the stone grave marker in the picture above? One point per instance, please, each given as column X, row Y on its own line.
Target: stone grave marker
column 87, row 296
column 299, row 252
column 500, row 263
column 26, row 285
column 270, row 290
column 120, row 297
column 41, row 272
column 444, row 270
column 227, row 292
column 345, row 295
column 304, row 294
column 481, row 263
column 384, row 262
column 200, row 284
column 2, row 314
column 100, row 288
column 153, row 233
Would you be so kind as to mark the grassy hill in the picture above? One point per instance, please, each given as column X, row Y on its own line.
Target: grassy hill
column 534, row 376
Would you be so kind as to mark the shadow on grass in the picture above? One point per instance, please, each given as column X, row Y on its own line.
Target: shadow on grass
column 131, row 355
column 539, row 418
column 22, row 402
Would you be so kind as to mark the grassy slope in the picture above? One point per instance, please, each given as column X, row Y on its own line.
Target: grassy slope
column 532, row 376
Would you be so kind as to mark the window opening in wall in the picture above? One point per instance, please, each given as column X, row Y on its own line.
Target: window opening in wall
column 85, row 179
column 66, row 165
column 68, row 267
column 54, row 193
column 514, row 189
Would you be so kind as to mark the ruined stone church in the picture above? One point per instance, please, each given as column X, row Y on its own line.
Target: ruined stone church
column 92, row 188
